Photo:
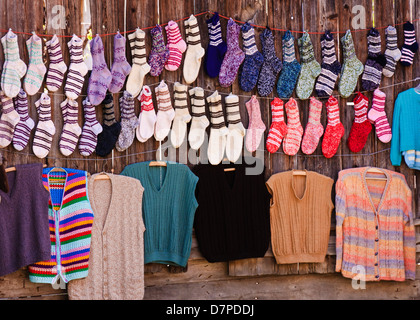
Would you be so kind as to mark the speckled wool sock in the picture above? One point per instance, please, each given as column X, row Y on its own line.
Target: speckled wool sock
column 129, row 122
column 291, row 67
column 159, row 53
column 248, row 74
column 234, row 55
column 271, row 65
column 314, row 129
column 311, row 68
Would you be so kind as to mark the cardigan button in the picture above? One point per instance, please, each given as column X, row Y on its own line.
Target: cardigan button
column 376, row 253
column 376, row 239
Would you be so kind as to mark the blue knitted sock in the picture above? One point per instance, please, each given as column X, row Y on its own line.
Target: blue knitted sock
column 291, row 67
column 253, row 62
column 216, row 48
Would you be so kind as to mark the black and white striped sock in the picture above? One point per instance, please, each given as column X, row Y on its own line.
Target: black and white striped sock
column 410, row 46
column 392, row 53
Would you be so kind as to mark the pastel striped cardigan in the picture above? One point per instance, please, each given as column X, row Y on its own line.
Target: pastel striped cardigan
column 70, row 219
column 375, row 236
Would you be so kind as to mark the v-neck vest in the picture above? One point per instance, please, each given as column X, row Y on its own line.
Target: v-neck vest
column 70, row 220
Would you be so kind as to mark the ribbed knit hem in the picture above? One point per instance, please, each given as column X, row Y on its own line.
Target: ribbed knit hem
column 236, row 256
column 301, row 258
column 165, row 257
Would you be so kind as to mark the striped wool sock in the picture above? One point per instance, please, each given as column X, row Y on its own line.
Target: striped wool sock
column 110, row 128
column 71, row 129
column 36, row 68
column 293, row 138
column 377, row 115
column 314, row 129
column 182, row 115
column 139, row 67
column 375, row 62
column 166, row 112
column 361, row 127
column 45, row 128
column 235, row 137
column 57, row 67
column 291, row 67
column 216, row 48
column 278, row 128
column 330, row 66
column 199, row 121
column 90, row 131
column 8, row 120
column 410, row 45
column 26, row 124
column 392, row 53
column 195, row 52
column 176, row 46
column 77, row 69
column 256, row 126
column 335, row 129
column 120, row 67
column 129, row 122
column 13, row 68
column 159, row 53
column 218, row 130
column 147, row 116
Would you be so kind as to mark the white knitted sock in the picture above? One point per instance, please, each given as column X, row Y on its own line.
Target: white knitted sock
column 235, row 137
column 182, row 115
column 165, row 113
column 218, row 130
column 199, row 121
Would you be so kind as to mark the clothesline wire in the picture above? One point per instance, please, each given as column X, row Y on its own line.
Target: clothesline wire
column 199, row 14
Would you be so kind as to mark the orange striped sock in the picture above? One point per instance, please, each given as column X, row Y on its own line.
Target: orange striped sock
column 293, row 138
column 314, row 129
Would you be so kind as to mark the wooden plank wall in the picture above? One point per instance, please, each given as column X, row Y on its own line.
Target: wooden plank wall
column 251, row 278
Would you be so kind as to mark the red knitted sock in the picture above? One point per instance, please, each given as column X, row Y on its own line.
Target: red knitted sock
column 361, row 127
column 278, row 128
column 334, row 131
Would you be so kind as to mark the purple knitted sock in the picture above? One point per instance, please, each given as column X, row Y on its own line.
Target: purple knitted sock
column 120, row 68
column 159, row 53
column 233, row 57
column 101, row 77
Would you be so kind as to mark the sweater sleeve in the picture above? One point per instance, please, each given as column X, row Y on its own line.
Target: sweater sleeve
column 409, row 239
column 395, row 154
column 340, row 214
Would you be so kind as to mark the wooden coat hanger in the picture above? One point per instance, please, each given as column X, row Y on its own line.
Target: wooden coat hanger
column 102, row 176
column 376, row 170
column 227, row 169
column 10, row 169
column 299, row 173
column 160, row 162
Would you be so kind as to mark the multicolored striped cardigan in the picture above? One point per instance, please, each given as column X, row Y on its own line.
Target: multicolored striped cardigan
column 70, row 219
column 375, row 235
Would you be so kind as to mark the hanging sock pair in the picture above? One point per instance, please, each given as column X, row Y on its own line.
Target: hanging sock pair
column 361, row 126
column 8, row 120
column 410, row 46
column 159, row 53
column 334, row 130
column 129, row 122
column 147, row 116
column 377, row 116
column 45, row 129
column 216, row 48
column 195, row 51
column 36, row 68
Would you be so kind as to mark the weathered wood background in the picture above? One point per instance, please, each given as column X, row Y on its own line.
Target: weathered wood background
column 246, row 279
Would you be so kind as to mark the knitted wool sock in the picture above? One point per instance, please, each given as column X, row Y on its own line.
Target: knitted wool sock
column 410, row 45
column 377, row 115
column 36, row 69
column 392, row 53
column 199, row 121
column 361, row 127
column 271, row 65
column 176, row 46
column 291, row 67
column 111, row 128
column 256, row 126
column 334, row 131
column 26, row 124
column 159, row 53
column 182, row 115
column 330, row 67
column 248, row 75
column 195, row 51
column 120, row 67
column 234, row 55
column 77, row 69
column 375, row 62
column 147, row 116
column 278, row 128
column 129, row 122
column 8, row 120
column 293, row 138
column 235, row 137
column 101, row 77
column 71, row 129
column 13, row 68
column 165, row 114
column 140, row 68
column 45, row 129
column 311, row 68
column 216, row 48
column 352, row 67
column 314, row 129
column 218, row 130
column 57, row 67
column 90, row 131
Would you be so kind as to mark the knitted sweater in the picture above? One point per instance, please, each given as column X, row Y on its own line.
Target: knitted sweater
column 169, row 206
column 405, row 125
column 375, row 234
